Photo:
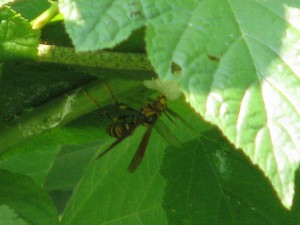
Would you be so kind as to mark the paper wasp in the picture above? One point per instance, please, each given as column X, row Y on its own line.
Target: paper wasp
column 125, row 123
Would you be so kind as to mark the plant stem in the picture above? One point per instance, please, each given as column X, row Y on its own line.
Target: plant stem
column 61, row 111
column 43, row 19
column 98, row 59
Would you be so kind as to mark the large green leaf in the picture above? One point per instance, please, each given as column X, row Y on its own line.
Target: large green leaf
column 28, row 200
column 240, row 71
column 108, row 194
column 17, row 40
column 209, row 181
column 97, row 24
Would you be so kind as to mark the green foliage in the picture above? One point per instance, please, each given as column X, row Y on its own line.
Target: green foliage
column 126, row 198
column 229, row 188
column 17, row 39
column 27, row 199
column 236, row 63
column 250, row 93
column 8, row 217
column 30, row 9
column 97, row 24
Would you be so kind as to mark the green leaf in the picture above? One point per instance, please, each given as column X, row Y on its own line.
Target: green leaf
column 240, row 72
column 30, row 9
column 9, row 217
column 108, row 194
column 28, row 200
column 48, row 151
column 68, row 169
column 97, row 24
column 17, row 39
column 70, row 165
column 21, row 160
column 209, row 181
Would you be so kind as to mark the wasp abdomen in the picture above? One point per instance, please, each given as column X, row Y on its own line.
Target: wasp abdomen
column 120, row 128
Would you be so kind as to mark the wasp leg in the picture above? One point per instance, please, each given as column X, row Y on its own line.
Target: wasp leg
column 103, row 112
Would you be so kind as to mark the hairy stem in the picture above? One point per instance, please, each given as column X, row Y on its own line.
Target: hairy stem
column 98, row 59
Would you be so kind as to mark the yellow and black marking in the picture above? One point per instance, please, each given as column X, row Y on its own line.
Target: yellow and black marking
column 122, row 126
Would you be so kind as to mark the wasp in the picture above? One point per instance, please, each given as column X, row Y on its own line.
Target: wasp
column 129, row 119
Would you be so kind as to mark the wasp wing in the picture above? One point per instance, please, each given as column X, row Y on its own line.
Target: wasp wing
column 140, row 152
column 116, row 142
column 167, row 134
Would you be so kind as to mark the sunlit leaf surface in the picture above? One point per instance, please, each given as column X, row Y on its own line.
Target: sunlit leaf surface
column 240, row 72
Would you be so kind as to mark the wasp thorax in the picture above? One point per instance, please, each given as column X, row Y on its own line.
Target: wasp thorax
column 151, row 111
